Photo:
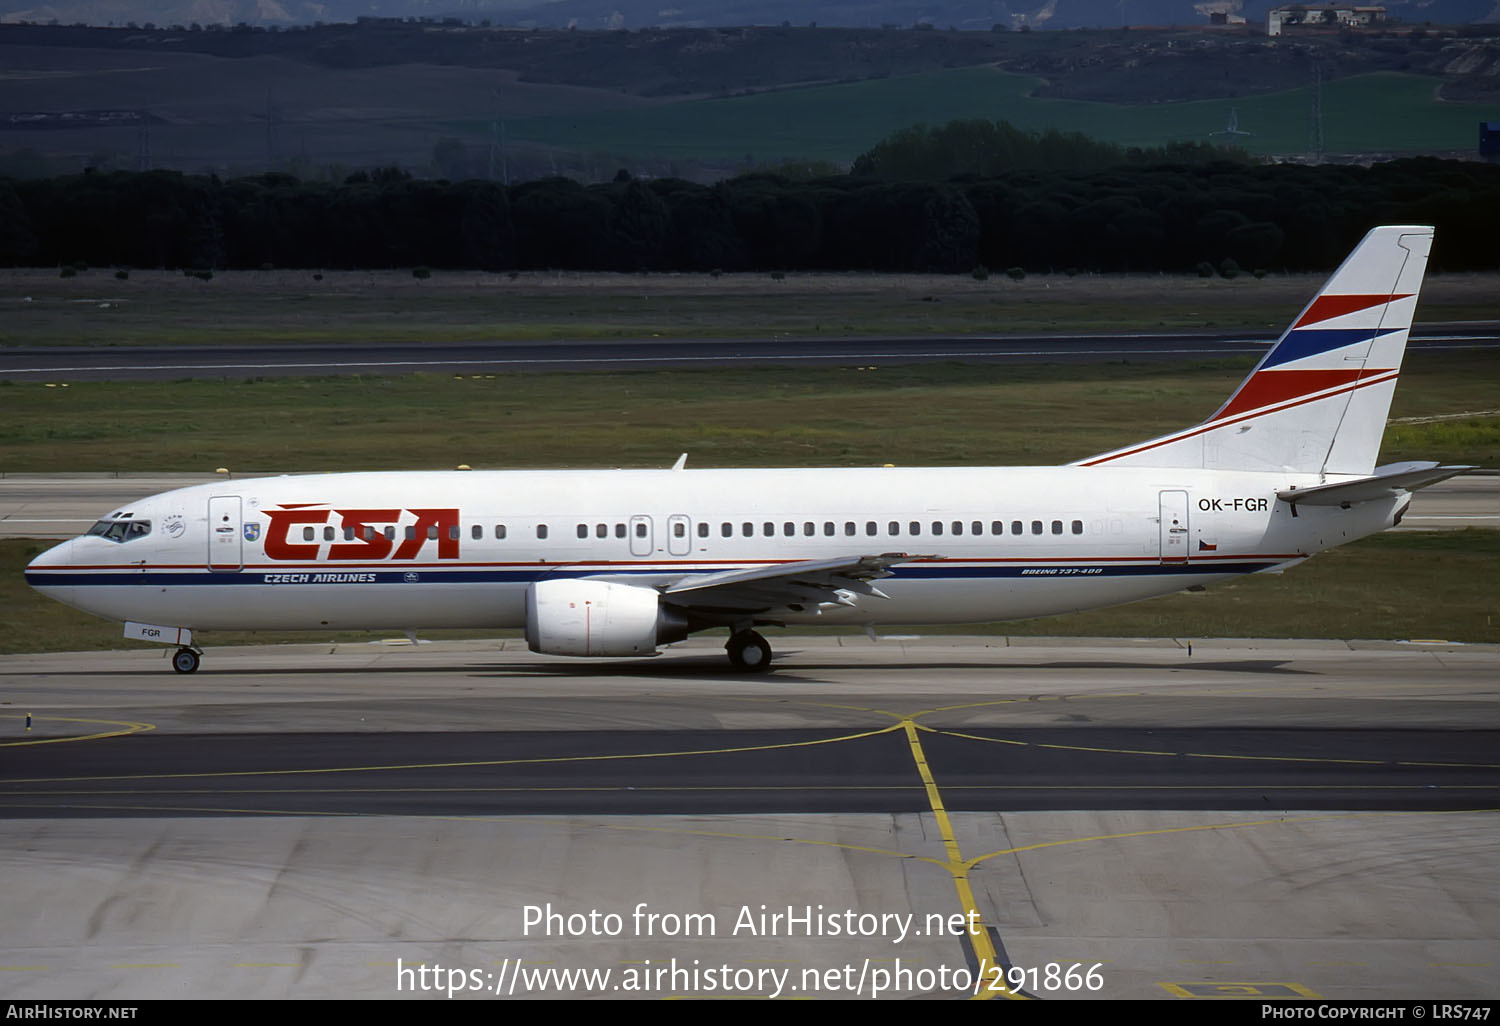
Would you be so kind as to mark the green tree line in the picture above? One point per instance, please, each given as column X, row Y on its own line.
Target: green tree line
column 987, row 148
column 1134, row 217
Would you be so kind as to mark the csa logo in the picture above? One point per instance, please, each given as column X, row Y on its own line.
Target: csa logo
column 369, row 534
column 252, row 532
column 174, row 526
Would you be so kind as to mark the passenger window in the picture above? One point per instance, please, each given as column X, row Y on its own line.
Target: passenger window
column 809, row 528
column 328, row 533
column 976, row 528
column 348, row 534
column 583, row 530
column 499, row 532
column 937, row 527
column 748, row 530
column 1057, row 527
column 601, row 530
column 307, row 534
column 789, row 529
column 828, row 528
column 848, row 528
column 369, row 533
column 1078, row 527
column 997, row 527
column 541, row 531
column 619, row 530
column 871, row 527
column 390, row 533
column 476, row 532
column 703, row 529
column 452, row 532
column 1015, row 527
column 1036, row 527
column 894, row 527
column 726, row 529
column 640, row 530
column 679, row 530
column 958, row 527
column 768, row 529
column 432, row 532
column 913, row 528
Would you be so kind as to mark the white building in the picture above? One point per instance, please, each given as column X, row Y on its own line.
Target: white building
column 1321, row 16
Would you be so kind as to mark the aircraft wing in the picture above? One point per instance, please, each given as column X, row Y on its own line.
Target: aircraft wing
column 1383, row 484
column 810, row 582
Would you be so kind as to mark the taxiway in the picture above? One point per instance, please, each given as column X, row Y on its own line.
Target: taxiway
column 1260, row 819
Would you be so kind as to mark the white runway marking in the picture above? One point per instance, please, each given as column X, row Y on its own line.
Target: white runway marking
column 481, row 361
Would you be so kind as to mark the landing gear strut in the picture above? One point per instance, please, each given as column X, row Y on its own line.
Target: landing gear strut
column 749, row 651
column 185, row 660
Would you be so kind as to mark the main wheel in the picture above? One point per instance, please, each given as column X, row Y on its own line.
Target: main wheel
column 184, row 660
column 749, row 651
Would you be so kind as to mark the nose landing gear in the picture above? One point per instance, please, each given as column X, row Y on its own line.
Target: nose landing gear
column 185, row 660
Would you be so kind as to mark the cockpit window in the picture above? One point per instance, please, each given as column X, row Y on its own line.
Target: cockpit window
column 121, row 530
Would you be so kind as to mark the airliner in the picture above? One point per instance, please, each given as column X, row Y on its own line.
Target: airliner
column 618, row 563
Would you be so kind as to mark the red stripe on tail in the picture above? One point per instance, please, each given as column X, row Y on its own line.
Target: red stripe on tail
column 1326, row 307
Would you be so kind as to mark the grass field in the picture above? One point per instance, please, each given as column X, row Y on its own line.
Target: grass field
column 1394, row 586
column 1380, row 112
column 37, row 307
column 362, row 117
column 928, row 414
column 357, row 117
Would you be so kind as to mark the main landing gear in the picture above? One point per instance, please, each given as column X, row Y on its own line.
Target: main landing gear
column 749, row 651
column 185, row 660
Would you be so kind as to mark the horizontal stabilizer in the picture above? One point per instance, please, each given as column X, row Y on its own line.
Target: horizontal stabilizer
column 1385, row 483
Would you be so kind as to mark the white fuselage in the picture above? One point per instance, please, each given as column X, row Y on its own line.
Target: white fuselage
column 459, row 549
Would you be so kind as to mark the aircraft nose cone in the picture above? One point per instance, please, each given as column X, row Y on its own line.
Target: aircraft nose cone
column 55, row 557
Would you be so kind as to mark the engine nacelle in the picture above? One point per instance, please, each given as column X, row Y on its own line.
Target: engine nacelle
column 597, row 618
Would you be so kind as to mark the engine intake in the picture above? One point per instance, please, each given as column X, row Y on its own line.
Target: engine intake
column 598, row 618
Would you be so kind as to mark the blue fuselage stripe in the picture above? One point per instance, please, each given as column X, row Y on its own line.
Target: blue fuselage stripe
column 344, row 578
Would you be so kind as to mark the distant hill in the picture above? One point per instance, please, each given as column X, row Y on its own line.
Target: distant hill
column 456, row 101
column 959, row 14
column 1109, row 66
column 967, row 15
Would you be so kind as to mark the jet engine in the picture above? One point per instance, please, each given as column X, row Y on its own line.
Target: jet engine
column 598, row 618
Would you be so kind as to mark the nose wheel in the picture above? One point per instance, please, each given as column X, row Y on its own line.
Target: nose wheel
column 185, row 660
column 749, row 651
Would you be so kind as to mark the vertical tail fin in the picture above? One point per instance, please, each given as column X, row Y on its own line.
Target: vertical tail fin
column 1318, row 400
